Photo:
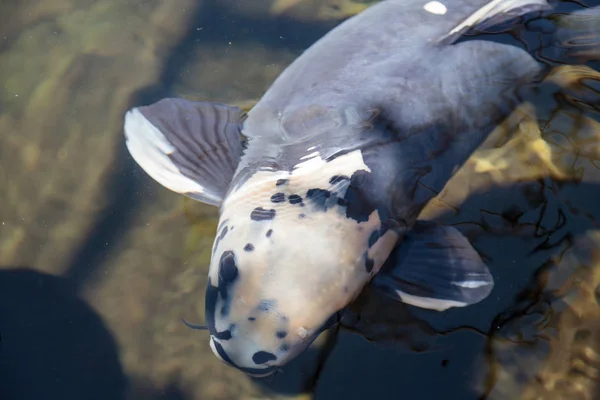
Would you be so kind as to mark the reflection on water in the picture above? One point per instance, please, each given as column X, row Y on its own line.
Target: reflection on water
column 98, row 263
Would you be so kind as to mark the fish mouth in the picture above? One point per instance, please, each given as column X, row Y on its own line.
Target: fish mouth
column 270, row 372
column 259, row 373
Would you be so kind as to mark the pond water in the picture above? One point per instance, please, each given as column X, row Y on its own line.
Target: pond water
column 98, row 263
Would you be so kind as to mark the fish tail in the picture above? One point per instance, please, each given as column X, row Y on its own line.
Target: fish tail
column 577, row 37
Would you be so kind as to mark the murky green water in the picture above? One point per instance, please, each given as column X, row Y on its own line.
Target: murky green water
column 98, row 262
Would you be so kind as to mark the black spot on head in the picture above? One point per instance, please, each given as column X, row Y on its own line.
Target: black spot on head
column 251, row 319
column 225, row 310
column 318, row 193
column 281, row 182
column 302, row 216
column 338, row 178
column 281, row 334
column 342, row 202
column 295, row 199
column 358, row 206
column 222, row 223
column 212, row 294
column 228, row 360
column 228, row 273
column 444, row 363
column 261, row 357
column 321, row 199
column 210, row 301
column 278, row 198
column 225, row 335
column 249, row 247
column 228, row 270
column 269, row 233
column 284, row 347
column 223, row 232
column 220, row 237
column 373, row 238
column 369, row 263
column 261, row 214
column 266, row 305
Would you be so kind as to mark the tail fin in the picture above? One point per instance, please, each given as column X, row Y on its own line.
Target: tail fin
column 577, row 39
column 553, row 31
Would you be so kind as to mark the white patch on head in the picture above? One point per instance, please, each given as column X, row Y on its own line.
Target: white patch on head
column 313, row 163
column 310, row 266
column 314, row 172
column 347, row 163
column 435, row 7
column 429, row 303
column 311, row 155
column 151, row 149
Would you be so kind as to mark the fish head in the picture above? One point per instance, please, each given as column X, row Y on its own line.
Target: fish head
column 286, row 261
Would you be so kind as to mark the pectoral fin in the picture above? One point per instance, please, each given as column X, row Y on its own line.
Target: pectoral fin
column 435, row 267
column 192, row 148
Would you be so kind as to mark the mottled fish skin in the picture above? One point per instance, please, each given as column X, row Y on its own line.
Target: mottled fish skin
column 300, row 254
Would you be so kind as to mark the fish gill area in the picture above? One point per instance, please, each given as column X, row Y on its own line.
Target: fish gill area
column 98, row 263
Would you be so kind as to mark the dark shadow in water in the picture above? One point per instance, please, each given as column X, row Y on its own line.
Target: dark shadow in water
column 145, row 391
column 54, row 346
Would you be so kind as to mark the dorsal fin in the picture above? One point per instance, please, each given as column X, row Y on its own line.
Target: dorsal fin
column 492, row 13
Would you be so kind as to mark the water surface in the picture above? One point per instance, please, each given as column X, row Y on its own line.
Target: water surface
column 98, row 262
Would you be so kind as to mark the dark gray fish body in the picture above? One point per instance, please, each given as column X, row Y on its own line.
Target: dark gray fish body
column 343, row 152
column 414, row 134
